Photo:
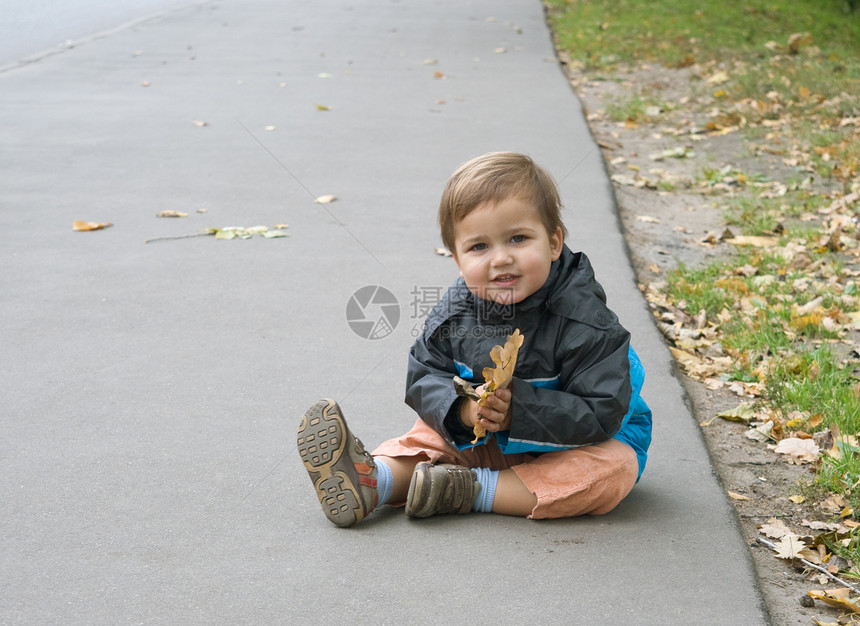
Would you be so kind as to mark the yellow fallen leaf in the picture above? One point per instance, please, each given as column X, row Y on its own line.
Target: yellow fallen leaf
column 686, row 359
column 325, row 199
column 736, row 496
column 322, row 107
column 735, row 284
column 798, row 40
column 797, row 499
column 171, row 214
column 84, row 226
column 756, row 241
column 718, row 78
column 837, row 598
column 443, row 252
column 499, row 377
column 505, row 358
column 806, row 321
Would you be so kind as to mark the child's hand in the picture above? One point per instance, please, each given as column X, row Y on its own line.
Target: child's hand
column 495, row 415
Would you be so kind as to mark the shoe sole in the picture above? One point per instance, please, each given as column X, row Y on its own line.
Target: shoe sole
column 321, row 442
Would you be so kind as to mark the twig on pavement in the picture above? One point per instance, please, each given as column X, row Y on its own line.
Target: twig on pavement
column 203, row 234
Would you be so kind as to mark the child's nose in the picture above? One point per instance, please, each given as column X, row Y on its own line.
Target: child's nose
column 501, row 256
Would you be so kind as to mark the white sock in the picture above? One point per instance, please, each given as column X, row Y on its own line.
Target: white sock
column 488, row 479
column 384, row 482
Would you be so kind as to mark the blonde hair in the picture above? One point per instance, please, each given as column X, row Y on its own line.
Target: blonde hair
column 494, row 177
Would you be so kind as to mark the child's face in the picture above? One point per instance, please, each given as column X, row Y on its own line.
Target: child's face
column 504, row 251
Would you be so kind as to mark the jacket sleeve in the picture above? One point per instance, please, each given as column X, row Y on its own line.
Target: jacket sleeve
column 589, row 405
column 429, row 380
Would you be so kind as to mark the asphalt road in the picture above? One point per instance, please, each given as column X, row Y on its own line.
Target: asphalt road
column 32, row 28
column 151, row 391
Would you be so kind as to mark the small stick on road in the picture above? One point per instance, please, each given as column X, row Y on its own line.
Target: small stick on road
column 203, row 234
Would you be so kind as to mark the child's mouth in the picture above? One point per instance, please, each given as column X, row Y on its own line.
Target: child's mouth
column 505, row 280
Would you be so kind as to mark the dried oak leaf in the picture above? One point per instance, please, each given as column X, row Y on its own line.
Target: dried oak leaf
column 837, row 598
column 775, row 528
column 499, row 377
column 791, row 546
column 84, row 226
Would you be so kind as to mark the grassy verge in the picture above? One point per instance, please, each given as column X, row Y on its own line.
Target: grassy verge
column 777, row 318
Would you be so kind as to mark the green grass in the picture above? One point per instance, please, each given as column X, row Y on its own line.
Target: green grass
column 602, row 33
column 754, row 215
column 695, row 289
column 817, row 384
column 821, row 80
column 635, row 109
column 764, row 323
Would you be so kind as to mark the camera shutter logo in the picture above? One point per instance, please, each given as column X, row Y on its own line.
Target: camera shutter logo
column 373, row 312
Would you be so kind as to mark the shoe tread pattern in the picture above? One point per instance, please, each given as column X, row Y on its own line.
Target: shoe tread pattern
column 320, row 439
column 321, row 443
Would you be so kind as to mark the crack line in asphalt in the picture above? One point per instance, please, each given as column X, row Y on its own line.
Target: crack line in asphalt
column 310, row 193
column 366, row 376
column 269, row 473
column 596, row 145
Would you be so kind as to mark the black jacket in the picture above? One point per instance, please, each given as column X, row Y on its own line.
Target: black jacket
column 572, row 381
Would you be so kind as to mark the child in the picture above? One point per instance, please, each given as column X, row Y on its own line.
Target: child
column 568, row 437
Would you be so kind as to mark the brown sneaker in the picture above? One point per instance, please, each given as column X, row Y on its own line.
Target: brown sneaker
column 440, row 489
column 342, row 472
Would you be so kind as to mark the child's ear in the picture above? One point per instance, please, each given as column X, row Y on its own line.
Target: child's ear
column 556, row 243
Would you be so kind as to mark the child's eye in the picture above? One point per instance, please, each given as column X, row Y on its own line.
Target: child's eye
column 518, row 238
column 478, row 247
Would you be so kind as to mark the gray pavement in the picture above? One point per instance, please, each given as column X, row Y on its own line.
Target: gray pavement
column 151, row 392
column 32, row 29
